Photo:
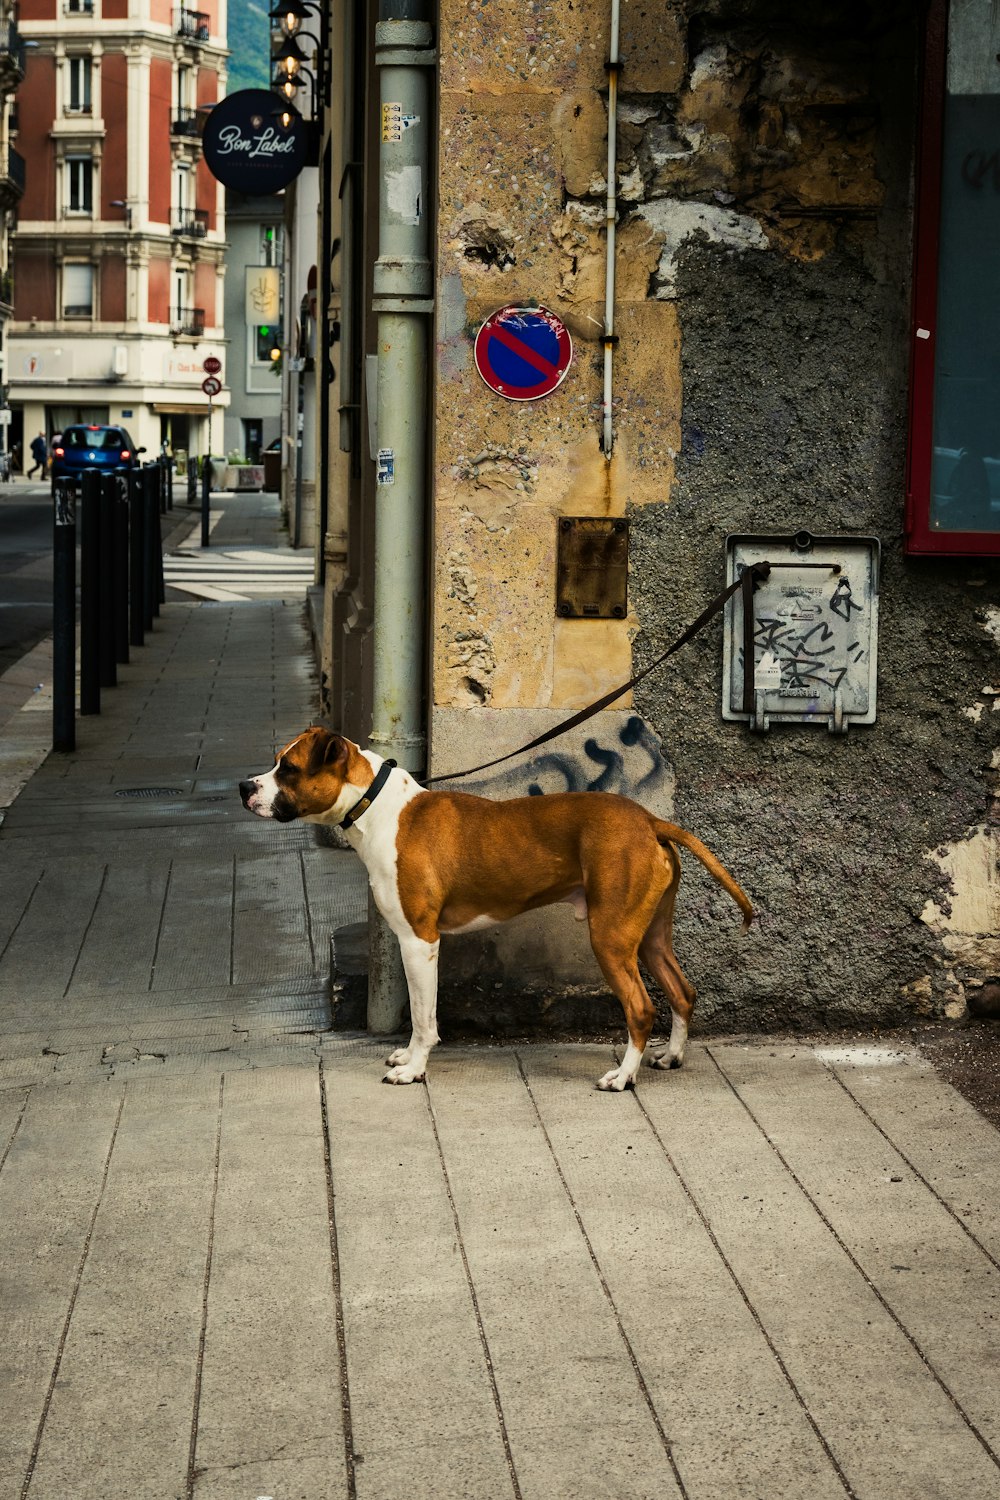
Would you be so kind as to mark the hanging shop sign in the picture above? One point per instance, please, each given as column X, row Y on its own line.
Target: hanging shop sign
column 523, row 353
column 248, row 148
column 262, row 295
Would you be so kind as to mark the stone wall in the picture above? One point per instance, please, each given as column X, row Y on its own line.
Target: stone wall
column 765, row 196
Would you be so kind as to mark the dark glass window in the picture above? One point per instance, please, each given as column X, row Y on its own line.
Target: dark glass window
column 954, row 459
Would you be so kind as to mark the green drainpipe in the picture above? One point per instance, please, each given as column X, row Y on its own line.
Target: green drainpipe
column 403, row 287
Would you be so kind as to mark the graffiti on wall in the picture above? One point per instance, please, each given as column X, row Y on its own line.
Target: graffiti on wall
column 626, row 758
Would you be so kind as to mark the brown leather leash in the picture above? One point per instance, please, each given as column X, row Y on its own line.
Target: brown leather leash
column 746, row 583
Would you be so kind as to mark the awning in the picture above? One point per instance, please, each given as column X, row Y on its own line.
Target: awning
column 180, row 408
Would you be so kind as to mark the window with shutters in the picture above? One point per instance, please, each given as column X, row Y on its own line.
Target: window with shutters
column 78, row 289
column 80, row 76
column 79, row 185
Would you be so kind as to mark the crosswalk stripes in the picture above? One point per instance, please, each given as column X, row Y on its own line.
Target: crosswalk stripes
column 238, row 573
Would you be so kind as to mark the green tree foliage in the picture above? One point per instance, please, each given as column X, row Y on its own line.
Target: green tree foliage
column 249, row 43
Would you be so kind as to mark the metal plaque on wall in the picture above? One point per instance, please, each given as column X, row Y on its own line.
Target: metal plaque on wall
column 815, row 631
column 592, row 568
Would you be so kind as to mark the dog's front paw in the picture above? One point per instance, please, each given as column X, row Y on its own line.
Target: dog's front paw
column 405, row 1074
column 616, row 1081
column 397, row 1058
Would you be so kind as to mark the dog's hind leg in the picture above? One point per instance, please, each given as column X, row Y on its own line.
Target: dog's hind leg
column 420, row 962
column 616, row 953
column 622, row 898
column 622, row 973
column 656, row 951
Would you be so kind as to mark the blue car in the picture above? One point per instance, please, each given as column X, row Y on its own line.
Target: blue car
column 81, row 447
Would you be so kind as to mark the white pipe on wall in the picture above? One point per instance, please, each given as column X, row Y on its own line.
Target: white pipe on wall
column 611, row 215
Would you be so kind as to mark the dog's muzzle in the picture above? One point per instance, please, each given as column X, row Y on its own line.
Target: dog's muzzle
column 264, row 802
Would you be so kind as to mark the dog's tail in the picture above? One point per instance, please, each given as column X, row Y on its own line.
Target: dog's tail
column 670, row 833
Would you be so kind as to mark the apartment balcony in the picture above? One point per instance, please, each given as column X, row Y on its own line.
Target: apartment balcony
column 186, row 123
column 192, row 25
column 187, row 322
column 189, row 223
column 11, row 56
column 6, row 291
column 11, row 176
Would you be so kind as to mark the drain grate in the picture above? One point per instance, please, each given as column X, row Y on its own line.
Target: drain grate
column 149, row 791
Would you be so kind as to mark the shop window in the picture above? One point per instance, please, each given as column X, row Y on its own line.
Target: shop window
column 953, row 478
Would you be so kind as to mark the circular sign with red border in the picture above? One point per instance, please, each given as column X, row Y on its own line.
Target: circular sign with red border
column 523, row 353
column 212, row 365
column 211, row 385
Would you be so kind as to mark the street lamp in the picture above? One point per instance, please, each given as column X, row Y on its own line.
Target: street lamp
column 289, row 57
column 290, row 16
column 123, row 203
column 294, row 21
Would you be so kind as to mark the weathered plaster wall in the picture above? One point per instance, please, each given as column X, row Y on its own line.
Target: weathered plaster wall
column 522, row 180
column 868, row 857
column 765, row 170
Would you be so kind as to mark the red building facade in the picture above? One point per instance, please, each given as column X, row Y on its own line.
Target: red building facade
column 119, row 250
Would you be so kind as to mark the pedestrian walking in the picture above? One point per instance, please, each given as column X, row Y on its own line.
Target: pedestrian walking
column 39, row 453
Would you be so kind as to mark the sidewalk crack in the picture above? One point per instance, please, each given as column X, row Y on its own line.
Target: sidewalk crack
column 484, row 1341
column 193, row 1471
column 350, row 1457
column 605, row 1288
column 64, row 1336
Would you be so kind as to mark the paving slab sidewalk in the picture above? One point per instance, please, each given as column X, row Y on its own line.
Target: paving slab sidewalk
column 233, row 1265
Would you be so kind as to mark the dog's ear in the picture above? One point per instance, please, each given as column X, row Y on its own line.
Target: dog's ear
column 327, row 750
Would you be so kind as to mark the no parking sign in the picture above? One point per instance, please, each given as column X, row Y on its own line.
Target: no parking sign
column 523, row 353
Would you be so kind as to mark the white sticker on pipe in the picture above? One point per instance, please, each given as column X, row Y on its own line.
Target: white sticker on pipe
column 923, row 333
column 402, row 194
column 385, row 472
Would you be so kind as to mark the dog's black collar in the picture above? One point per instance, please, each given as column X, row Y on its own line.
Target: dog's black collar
column 365, row 802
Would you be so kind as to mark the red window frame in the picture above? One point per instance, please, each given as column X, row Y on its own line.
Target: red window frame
column 921, row 538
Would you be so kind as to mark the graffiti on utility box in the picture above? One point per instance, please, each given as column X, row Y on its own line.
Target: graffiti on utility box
column 815, row 632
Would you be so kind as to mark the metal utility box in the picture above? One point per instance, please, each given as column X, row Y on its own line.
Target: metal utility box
column 815, row 631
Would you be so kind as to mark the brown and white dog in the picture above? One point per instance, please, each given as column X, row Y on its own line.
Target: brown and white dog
column 449, row 862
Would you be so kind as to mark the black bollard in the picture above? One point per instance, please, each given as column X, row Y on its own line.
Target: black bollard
column 150, row 513
column 206, row 497
column 119, row 512
column 156, row 548
column 136, row 556
column 106, row 582
column 90, row 590
column 63, row 618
